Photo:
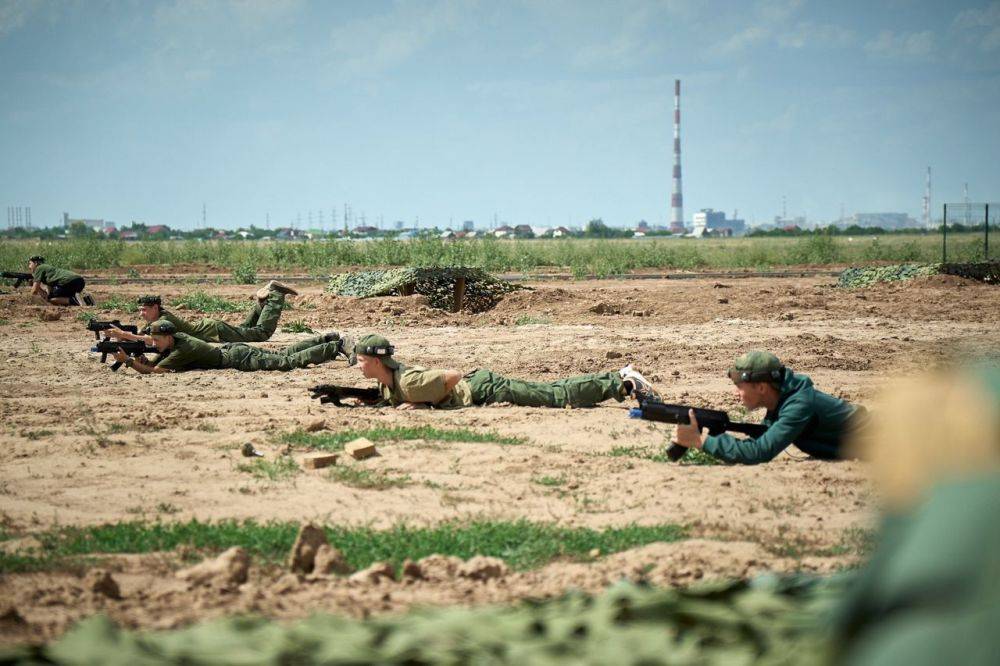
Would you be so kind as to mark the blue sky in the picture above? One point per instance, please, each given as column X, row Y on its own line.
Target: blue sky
column 539, row 112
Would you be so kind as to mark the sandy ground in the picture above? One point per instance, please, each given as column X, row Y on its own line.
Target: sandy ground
column 82, row 445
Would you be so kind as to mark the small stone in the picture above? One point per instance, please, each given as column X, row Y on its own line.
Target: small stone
column 595, row 553
column 723, row 300
column 638, row 313
column 439, row 567
column 329, row 560
column 100, row 582
column 360, row 448
column 231, row 567
column 483, row 568
column 374, row 574
column 613, row 354
column 315, row 426
column 319, row 460
column 412, row 570
column 287, row 583
column 9, row 617
column 302, row 556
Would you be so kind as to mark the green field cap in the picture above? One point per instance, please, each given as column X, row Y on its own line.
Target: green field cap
column 376, row 345
column 756, row 366
column 162, row 327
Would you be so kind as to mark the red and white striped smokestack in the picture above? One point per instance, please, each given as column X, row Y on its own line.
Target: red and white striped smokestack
column 677, row 198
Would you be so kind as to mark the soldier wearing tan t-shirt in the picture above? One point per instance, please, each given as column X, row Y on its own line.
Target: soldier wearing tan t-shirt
column 414, row 387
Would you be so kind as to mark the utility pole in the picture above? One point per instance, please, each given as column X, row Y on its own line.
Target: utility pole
column 204, row 216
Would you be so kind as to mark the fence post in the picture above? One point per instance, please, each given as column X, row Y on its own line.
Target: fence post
column 944, row 239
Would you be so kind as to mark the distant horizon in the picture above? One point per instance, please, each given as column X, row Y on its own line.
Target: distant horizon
column 547, row 113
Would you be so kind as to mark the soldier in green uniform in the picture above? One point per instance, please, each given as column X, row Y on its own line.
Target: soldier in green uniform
column 259, row 325
column 57, row 286
column 797, row 413
column 180, row 352
column 930, row 592
column 413, row 387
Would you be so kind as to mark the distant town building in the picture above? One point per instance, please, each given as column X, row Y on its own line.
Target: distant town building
column 468, row 225
column 709, row 222
column 882, row 220
column 94, row 224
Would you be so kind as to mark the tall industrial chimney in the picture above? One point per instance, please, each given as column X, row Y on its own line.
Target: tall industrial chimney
column 677, row 199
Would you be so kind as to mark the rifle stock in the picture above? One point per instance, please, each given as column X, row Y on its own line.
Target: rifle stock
column 331, row 393
column 715, row 420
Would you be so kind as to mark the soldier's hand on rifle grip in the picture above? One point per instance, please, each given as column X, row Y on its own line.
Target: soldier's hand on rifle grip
column 691, row 435
column 120, row 356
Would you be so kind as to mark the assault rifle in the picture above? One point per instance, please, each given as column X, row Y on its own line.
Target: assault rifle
column 716, row 421
column 109, row 346
column 96, row 325
column 18, row 278
column 327, row 393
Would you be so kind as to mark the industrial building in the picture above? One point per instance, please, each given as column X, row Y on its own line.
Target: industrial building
column 709, row 222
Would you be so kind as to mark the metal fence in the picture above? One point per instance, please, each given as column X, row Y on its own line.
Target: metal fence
column 980, row 218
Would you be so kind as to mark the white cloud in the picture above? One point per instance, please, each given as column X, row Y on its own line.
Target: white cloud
column 773, row 21
column 746, row 38
column 903, row 46
column 984, row 24
column 806, row 33
column 372, row 45
column 15, row 13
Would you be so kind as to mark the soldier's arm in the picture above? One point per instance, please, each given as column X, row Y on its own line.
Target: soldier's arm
column 144, row 367
column 792, row 420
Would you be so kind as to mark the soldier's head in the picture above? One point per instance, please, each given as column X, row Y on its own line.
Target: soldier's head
column 150, row 307
column 374, row 356
column 163, row 334
column 34, row 262
column 757, row 376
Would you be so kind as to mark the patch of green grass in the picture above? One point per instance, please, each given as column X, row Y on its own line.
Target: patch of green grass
column 284, row 467
column 692, row 457
column 119, row 303
column 525, row 320
column 335, row 441
column 699, row 457
column 367, row 479
column 86, row 317
column 550, row 481
column 4, row 322
column 245, row 273
column 641, row 452
column 297, row 326
column 36, row 434
column 522, row 544
column 203, row 302
column 854, row 541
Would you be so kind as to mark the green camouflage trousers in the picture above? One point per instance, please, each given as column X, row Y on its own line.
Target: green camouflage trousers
column 580, row 391
column 309, row 351
column 259, row 324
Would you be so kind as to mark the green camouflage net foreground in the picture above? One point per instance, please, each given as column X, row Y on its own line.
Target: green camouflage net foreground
column 770, row 620
column 482, row 290
column 988, row 272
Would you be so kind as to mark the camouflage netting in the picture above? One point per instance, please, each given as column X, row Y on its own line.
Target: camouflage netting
column 988, row 272
column 482, row 290
column 767, row 621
